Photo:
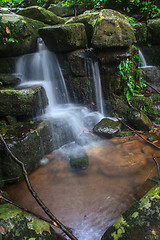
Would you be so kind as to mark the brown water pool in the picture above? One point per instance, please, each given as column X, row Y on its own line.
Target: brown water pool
column 90, row 201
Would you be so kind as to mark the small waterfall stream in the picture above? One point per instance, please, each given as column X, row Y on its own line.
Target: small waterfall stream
column 42, row 68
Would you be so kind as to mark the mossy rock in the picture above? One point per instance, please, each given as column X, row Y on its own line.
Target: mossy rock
column 153, row 28
column 9, row 79
column 18, row 35
column 61, row 10
column 82, row 90
column 89, row 20
column 26, row 102
column 141, row 221
column 29, row 143
column 64, row 38
column 107, row 127
column 112, row 29
column 41, row 14
column 140, row 32
column 140, row 121
column 7, row 65
column 17, row 224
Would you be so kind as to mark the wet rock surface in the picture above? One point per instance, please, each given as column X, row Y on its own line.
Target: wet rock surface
column 107, row 127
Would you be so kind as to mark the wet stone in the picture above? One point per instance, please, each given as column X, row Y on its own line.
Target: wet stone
column 107, row 127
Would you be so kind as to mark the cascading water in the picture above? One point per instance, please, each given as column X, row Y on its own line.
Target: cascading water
column 143, row 62
column 92, row 69
column 42, row 69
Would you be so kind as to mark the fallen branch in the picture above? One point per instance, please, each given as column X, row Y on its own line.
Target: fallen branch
column 55, row 221
column 136, row 132
column 157, row 166
column 152, row 87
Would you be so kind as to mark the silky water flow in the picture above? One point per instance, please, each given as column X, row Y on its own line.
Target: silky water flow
column 90, row 200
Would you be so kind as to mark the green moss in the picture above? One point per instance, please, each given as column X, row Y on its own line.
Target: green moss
column 135, row 215
column 154, row 193
column 120, row 226
column 8, row 211
column 18, row 224
column 36, row 224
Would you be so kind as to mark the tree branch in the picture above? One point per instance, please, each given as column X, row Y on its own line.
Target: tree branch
column 57, row 223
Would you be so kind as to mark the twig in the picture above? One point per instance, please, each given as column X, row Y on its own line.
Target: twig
column 157, row 165
column 137, row 133
column 152, row 87
column 34, row 194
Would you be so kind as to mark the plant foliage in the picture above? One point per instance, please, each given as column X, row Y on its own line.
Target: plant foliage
column 131, row 86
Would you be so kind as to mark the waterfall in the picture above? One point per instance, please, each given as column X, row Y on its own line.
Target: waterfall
column 143, row 62
column 98, row 87
column 42, row 69
column 92, row 69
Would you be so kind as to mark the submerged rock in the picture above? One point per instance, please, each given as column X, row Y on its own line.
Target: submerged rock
column 18, row 224
column 79, row 162
column 41, row 14
column 64, row 38
column 141, row 221
column 107, row 127
column 26, row 102
column 18, row 35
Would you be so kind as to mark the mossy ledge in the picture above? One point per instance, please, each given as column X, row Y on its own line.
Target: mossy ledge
column 18, row 224
column 139, row 221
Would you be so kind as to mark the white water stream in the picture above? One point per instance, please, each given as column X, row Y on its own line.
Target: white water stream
column 42, row 69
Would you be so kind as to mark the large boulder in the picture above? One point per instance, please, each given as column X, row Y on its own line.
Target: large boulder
column 26, row 102
column 112, row 29
column 41, row 14
column 18, row 224
column 18, row 35
column 153, row 27
column 107, row 28
column 64, row 38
